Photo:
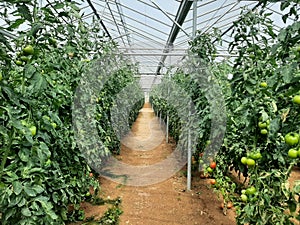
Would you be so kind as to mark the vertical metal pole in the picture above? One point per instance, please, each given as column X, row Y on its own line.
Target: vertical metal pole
column 189, row 172
column 189, row 166
column 160, row 119
column 167, row 127
column 194, row 18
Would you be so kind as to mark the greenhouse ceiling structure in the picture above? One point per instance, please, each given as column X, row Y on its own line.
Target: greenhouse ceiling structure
column 155, row 34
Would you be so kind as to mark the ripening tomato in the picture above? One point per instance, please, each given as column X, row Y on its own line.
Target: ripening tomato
column 213, row 165
column 213, row 181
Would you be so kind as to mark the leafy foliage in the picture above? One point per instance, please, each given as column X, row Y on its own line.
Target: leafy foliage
column 258, row 89
column 42, row 169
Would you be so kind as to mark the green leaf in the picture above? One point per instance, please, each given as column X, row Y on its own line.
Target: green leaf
column 29, row 190
column 35, row 29
column 26, row 212
column 16, row 24
column 25, row 12
column 10, row 214
column 17, row 186
column 12, row 176
column 38, row 189
column 59, row 5
column 14, row 200
column 29, row 71
column 38, row 83
column 24, row 154
column 22, row 202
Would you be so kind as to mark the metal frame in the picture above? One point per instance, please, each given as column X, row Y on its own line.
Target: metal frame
column 182, row 12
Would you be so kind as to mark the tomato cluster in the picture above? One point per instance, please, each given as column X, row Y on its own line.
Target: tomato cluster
column 24, row 56
column 292, row 139
column 251, row 158
column 246, row 193
column 264, row 126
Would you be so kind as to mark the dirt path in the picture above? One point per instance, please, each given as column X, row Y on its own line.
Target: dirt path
column 164, row 203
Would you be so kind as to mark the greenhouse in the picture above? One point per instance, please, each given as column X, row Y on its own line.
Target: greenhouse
column 149, row 112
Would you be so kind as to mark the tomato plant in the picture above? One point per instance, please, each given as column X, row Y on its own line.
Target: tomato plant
column 261, row 96
column 42, row 170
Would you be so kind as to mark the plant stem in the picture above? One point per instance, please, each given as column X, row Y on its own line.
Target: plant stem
column 4, row 159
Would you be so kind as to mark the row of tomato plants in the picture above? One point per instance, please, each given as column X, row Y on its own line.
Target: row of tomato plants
column 261, row 89
column 43, row 172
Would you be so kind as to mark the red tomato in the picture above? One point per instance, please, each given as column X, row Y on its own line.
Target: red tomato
column 213, row 182
column 213, row 165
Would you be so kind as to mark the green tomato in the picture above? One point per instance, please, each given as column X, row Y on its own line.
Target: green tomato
column 293, row 153
column 250, row 162
column 296, row 99
column 263, row 84
column 54, row 125
column 262, row 125
column 291, row 138
column 210, row 170
column 251, row 56
column 33, row 130
column 268, row 122
column 244, row 197
column 24, row 58
column 264, row 131
column 46, row 118
column 255, row 155
column 208, row 143
column 28, row 50
column 244, row 160
column 251, row 190
column 243, row 191
column 19, row 63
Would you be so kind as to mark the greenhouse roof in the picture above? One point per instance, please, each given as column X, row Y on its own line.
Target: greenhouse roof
column 155, row 34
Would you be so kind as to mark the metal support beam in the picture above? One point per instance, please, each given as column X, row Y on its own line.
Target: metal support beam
column 155, row 54
column 123, row 21
column 182, row 12
column 232, row 26
column 113, row 17
column 7, row 34
column 194, row 18
column 98, row 17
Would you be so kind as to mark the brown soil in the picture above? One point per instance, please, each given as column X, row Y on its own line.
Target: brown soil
column 164, row 203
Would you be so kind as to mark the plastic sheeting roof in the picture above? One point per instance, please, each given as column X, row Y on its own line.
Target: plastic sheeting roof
column 143, row 28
